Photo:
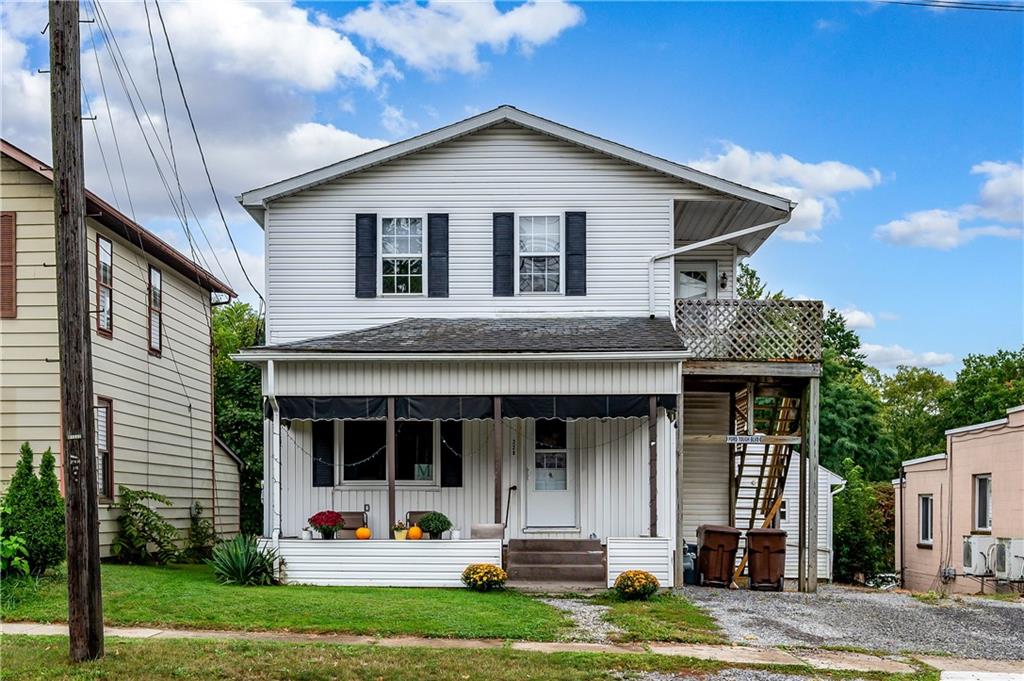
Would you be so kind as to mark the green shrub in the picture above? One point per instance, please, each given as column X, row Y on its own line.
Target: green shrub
column 435, row 523
column 242, row 562
column 484, row 577
column 636, row 585
column 36, row 511
column 201, row 537
column 13, row 551
column 141, row 528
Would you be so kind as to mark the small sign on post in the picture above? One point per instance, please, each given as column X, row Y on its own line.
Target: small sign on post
column 744, row 439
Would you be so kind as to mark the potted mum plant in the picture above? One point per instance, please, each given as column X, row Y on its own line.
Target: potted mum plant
column 435, row 523
column 327, row 523
column 399, row 530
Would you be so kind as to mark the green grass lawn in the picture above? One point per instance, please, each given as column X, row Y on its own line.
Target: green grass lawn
column 187, row 596
column 158, row 659
column 664, row 617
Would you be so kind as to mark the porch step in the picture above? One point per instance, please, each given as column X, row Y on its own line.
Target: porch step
column 557, row 573
column 556, row 558
column 554, row 545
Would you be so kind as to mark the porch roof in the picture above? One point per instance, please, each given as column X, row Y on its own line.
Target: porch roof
column 431, row 336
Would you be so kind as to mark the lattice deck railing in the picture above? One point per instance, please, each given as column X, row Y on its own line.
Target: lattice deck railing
column 751, row 330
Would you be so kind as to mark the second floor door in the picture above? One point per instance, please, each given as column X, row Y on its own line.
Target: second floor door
column 696, row 280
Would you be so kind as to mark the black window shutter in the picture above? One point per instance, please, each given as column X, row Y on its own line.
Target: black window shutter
column 451, row 453
column 323, row 453
column 504, row 234
column 576, row 254
column 437, row 255
column 366, row 255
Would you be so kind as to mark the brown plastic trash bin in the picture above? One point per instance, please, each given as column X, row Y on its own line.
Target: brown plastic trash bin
column 766, row 559
column 716, row 554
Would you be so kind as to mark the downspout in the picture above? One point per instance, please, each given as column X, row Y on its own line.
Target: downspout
column 697, row 245
column 275, row 459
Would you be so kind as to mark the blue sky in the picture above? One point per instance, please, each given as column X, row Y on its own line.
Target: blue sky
column 875, row 115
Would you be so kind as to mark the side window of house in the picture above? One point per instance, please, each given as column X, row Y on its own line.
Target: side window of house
column 8, row 266
column 925, row 517
column 105, row 448
column 402, row 242
column 104, row 286
column 983, row 502
column 540, row 254
column 156, row 315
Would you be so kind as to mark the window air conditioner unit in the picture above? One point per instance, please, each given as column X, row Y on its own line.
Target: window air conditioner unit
column 1016, row 560
column 976, row 556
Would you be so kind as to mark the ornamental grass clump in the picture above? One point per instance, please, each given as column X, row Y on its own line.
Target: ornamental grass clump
column 242, row 562
column 636, row 585
column 484, row 577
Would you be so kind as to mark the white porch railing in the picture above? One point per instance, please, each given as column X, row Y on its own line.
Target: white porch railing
column 751, row 330
column 350, row 562
column 653, row 554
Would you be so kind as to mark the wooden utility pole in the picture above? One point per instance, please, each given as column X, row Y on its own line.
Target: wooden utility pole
column 78, row 439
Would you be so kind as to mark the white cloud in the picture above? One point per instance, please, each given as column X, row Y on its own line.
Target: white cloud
column 813, row 186
column 826, row 25
column 448, row 36
column 858, row 319
column 395, row 122
column 1000, row 199
column 891, row 356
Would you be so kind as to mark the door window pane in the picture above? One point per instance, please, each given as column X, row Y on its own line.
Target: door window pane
column 693, row 284
column 550, row 471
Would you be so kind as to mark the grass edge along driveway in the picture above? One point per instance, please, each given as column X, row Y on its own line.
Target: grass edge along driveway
column 188, row 597
column 158, row 659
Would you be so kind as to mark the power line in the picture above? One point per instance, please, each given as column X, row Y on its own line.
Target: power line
column 202, row 154
column 955, row 4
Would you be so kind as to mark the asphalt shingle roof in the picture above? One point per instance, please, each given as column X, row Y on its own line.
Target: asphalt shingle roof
column 512, row 335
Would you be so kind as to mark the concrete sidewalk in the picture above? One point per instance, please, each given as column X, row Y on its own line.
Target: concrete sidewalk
column 727, row 654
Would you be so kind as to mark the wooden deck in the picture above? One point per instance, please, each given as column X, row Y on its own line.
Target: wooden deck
column 782, row 331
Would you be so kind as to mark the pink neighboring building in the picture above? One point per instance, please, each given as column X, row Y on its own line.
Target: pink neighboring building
column 960, row 514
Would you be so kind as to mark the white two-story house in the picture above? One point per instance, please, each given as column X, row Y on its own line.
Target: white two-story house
column 534, row 331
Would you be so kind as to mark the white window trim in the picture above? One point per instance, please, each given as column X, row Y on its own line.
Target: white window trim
column 381, row 217
column 560, row 255
column 339, row 456
column 921, row 539
column 988, row 505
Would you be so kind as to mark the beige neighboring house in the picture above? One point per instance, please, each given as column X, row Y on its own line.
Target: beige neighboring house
column 151, row 353
column 960, row 514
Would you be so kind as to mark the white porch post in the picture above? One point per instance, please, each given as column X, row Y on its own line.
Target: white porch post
column 678, row 573
column 652, row 434
column 275, row 458
column 813, row 389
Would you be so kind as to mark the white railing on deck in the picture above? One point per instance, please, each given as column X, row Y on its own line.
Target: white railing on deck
column 751, row 330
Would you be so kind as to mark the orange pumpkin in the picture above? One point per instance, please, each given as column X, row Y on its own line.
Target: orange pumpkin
column 415, row 533
column 363, row 533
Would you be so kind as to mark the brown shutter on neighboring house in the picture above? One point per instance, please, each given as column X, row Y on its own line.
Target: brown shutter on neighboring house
column 8, row 267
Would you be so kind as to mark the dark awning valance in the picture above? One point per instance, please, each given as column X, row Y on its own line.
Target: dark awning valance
column 443, row 408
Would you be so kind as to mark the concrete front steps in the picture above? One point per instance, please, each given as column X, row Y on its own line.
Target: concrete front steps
column 556, row 560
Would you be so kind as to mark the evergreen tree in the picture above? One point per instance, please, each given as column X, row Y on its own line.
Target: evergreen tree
column 36, row 511
column 51, row 544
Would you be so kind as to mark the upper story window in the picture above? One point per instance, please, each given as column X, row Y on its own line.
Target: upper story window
column 105, row 448
column 983, row 502
column 402, row 248
column 925, row 519
column 540, row 253
column 156, row 315
column 104, row 286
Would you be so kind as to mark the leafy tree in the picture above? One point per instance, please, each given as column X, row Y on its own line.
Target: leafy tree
column 750, row 287
column 842, row 341
column 862, row 538
column 985, row 388
column 238, row 397
column 912, row 411
column 35, row 511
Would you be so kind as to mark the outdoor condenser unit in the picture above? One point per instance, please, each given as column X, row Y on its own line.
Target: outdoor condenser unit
column 1016, row 560
column 1001, row 558
column 976, row 554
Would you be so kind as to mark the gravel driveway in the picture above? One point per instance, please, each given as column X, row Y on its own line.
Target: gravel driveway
column 887, row 622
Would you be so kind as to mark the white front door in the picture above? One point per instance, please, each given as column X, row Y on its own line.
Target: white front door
column 696, row 280
column 551, row 481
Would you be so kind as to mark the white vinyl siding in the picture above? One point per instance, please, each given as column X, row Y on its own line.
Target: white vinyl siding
column 310, row 236
column 705, row 464
column 653, row 555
